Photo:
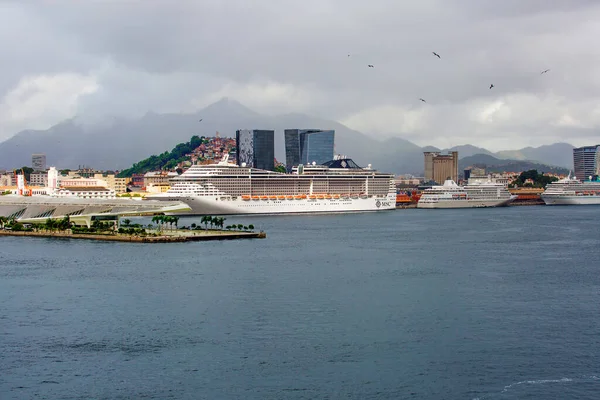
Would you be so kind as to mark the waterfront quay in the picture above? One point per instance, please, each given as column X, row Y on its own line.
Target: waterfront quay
column 527, row 197
column 176, row 236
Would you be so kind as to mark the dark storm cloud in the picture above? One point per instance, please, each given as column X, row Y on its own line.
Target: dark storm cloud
column 165, row 55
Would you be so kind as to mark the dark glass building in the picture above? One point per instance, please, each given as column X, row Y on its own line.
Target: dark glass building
column 586, row 161
column 305, row 146
column 255, row 148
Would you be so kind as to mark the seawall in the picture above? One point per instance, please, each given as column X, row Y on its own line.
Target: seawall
column 142, row 239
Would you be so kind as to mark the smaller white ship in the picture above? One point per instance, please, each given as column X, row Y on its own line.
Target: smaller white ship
column 571, row 191
column 451, row 195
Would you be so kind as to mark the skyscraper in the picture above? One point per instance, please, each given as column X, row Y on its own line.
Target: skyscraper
column 255, row 148
column 38, row 162
column 304, row 146
column 586, row 161
column 440, row 167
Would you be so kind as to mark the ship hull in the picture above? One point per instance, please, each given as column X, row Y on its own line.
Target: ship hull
column 570, row 200
column 214, row 205
column 465, row 203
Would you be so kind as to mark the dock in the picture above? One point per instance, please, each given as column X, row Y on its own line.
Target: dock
column 171, row 237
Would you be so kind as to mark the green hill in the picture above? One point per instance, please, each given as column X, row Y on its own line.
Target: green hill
column 493, row 164
column 166, row 160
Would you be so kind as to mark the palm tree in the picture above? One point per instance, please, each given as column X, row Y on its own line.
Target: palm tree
column 175, row 220
column 251, row 227
column 49, row 224
column 205, row 220
column 159, row 219
column 3, row 221
column 193, row 225
column 126, row 222
column 240, row 226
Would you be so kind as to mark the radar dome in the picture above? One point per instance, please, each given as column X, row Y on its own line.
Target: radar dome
column 243, row 165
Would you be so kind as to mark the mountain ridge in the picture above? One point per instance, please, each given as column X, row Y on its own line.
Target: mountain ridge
column 117, row 142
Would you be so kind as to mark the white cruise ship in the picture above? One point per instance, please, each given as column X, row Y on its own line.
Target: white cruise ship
column 337, row 186
column 571, row 191
column 451, row 195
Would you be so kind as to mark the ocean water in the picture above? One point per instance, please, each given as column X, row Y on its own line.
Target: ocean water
column 425, row 304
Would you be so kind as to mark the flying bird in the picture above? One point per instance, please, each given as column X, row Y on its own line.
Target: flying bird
column 436, row 54
column 543, row 72
column 491, row 86
column 200, row 120
column 423, row 100
column 370, row 66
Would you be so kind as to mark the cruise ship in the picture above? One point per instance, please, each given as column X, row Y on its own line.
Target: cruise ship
column 339, row 185
column 571, row 191
column 451, row 195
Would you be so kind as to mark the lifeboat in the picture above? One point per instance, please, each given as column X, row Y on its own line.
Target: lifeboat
column 354, row 196
column 336, row 196
column 364, row 196
column 290, row 197
column 313, row 196
column 272, row 197
column 255, row 197
column 264, row 198
column 328, row 196
column 320, row 197
column 245, row 198
column 298, row 197
column 281, row 197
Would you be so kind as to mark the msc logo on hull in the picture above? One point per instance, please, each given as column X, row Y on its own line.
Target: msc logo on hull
column 379, row 204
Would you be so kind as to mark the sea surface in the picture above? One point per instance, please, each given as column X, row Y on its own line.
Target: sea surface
column 426, row 304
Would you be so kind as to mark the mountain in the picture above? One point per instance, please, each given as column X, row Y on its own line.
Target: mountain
column 493, row 164
column 117, row 143
column 468, row 150
column 560, row 154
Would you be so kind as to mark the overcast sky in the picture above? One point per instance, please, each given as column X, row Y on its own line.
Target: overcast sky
column 65, row 58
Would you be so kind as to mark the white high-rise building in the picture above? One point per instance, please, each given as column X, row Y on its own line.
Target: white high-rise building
column 52, row 179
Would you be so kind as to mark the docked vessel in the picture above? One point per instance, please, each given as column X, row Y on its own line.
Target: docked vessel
column 451, row 195
column 571, row 191
column 339, row 185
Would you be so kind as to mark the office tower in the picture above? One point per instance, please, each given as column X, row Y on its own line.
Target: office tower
column 440, row 167
column 305, row 146
column 586, row 161
column 255, row 148
column 38, row 162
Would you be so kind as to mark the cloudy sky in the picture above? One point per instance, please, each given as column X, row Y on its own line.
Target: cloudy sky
column 65, row 58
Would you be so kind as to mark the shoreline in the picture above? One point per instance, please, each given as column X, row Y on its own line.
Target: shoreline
column 140, row 239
